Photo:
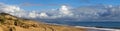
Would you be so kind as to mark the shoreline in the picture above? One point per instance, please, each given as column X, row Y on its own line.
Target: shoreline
column 97, row 29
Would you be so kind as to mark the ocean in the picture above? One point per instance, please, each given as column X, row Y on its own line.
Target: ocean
column 99, row 24
column 115, row 25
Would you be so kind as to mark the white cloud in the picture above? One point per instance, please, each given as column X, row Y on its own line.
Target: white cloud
column 32, row 15
column 43, row 15
column 65, row 10
column 9, row 9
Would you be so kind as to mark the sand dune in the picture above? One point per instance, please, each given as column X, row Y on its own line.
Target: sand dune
column 12, row 23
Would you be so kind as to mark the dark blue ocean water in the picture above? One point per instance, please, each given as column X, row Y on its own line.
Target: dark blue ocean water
column 90, row 24
column 99, row 24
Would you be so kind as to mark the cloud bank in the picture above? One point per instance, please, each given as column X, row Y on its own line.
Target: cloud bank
column 65, row 13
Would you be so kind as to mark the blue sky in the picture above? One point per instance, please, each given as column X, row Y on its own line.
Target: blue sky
column 100, row 9
column 53, row 4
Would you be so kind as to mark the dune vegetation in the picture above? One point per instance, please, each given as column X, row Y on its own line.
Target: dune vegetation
column 12, row 23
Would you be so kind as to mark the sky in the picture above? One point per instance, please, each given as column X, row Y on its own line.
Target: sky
column 63, row 10
column 55, row 4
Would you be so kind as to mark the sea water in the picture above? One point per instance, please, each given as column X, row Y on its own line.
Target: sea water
column 99, row 24
column 90, row 24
